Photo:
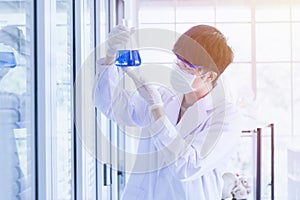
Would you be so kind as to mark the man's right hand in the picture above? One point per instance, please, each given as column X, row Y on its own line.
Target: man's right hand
column 117, row 39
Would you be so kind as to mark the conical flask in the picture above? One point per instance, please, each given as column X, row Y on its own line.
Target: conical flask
column 128, row 57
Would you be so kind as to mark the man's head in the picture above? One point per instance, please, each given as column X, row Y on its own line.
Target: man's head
column 204, row 46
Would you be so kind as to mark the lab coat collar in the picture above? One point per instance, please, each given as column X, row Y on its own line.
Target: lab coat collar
column 213, row 99
column 198, row 112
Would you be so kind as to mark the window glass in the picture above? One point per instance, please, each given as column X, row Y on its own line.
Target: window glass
column 156, row 12
column 17, row 100
column 189, row 13
column 296, row 99
column 281, row 180
column 62, row 143
column 273, row 42
column 156, row 56
column 296, row 41
column 273, row 101
column 233, row 13
column 159, row 26
column 272, row 13
column 238, row 79
column 85, row 112
column 241, row 46
column 295, row 9
column 181, row 28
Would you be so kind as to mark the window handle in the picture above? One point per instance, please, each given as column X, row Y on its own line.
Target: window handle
column 107, row 174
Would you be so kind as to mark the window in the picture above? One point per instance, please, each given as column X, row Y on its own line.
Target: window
column 62, row 136
column 17, row 106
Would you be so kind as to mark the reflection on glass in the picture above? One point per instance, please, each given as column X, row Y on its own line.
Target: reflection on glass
column 16, row 101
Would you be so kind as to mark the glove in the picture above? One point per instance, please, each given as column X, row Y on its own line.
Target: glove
column 146, row 90
column 229, row 183
column 239, row 191
column 117, row 39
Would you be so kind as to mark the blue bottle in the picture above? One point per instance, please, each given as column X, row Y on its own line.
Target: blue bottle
column 7, row 60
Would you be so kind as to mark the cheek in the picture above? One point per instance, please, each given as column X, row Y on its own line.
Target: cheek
column 197, row 82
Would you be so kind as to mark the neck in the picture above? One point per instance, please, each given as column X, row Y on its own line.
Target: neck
column 190, row 98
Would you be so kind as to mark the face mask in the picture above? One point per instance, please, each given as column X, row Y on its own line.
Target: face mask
column 181, row 81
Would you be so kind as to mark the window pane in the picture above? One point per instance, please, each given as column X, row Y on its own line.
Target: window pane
column 238, row 79
column 156, row 56
column 296, row 98
column 62, row 176
column 158, row 26
column 16, row 101
column 239, row 38
column 233, row 14
column 274, row 96
column 273, row 42
column 295, row 8
column 85, row 116
column 156, row 12
column 181, row 28
column 281, row 180
column 272, row 13
column 296, row 41
column 191, row 12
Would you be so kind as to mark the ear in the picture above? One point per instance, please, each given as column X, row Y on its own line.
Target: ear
column 210, row 76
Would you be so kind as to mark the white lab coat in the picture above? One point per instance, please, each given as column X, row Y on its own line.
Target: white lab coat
column 208, row 132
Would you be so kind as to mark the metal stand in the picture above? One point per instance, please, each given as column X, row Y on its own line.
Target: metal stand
column 258, row 133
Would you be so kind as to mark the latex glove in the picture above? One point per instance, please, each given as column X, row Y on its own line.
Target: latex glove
column 230, row 181
column 146, row 90
column 239, row 191
column 117, row 39
column 245, row 183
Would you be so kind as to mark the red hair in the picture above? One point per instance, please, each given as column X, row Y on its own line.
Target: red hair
column 205, row 46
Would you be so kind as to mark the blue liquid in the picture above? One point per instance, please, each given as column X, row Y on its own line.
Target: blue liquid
column 7, row 60
column 128, row 58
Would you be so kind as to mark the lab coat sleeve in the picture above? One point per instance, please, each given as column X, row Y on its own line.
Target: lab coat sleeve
column 116, row 103
column 197, row 155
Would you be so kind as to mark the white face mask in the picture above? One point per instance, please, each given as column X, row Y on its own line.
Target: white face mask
column 182, row 81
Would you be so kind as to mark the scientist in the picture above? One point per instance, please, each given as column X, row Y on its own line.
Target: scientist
column 190, row 133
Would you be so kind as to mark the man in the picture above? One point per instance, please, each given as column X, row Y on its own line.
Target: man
column 188, row 133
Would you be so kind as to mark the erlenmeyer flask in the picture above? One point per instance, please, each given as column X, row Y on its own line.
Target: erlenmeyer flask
column 128, row 57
